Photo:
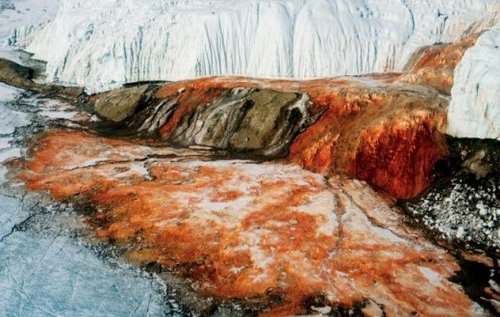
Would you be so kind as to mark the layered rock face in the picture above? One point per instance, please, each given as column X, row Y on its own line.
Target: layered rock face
column 99, row 44
column 385, row 129
column 395, row 130
column 247, row 120
column 272, row 236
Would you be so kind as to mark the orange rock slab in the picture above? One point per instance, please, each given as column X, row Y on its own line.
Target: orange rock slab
column 239, row 230
column 386, row 129
column 375, row 129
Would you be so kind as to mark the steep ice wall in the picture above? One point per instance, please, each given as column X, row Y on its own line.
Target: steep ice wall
column 474, row 111
column 22, row 15
column 106, row 42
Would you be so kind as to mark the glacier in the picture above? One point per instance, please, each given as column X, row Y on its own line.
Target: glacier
column 101, row 44
column 25, row 14
column 474, row 110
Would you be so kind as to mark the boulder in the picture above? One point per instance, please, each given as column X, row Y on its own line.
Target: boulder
column 119, row 104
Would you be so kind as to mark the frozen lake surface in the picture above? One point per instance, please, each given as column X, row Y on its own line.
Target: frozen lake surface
column 46, row 268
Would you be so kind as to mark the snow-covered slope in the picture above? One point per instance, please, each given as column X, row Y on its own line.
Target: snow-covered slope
column 474, row 111
column 98, row 43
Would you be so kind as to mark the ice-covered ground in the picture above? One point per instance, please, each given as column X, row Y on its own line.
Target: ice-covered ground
column 474, row 111
column 103, row 43
column 45, row 270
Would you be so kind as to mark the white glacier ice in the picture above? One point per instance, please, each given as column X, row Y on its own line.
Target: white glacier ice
column 102, row 43
column 23, row 14
column 474, row 111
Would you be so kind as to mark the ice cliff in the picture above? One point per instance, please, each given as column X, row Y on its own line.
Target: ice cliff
column 103, row 43
column 474, row 111
column 24, row 14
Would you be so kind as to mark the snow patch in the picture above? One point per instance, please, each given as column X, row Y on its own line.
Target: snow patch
column 8, row 93
column 431, row 275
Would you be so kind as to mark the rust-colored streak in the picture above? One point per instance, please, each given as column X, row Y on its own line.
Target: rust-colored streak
column 238, row 230
column 190, row 98
column 351, row 109
column 446, row 55
column 383, row 128
column 399, row 158
column 434, row 65
column 391, row 140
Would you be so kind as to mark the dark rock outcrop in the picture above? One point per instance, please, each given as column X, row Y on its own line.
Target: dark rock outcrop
column 14, row 74
column 251, row 121
column 119, row 104
column 464, row 204
column 22, row 77
column 260, row 122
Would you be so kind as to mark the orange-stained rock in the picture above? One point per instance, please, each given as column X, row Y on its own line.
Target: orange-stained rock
column 391, row 139
column 386, row 129
column 399, row 156
column 386, row 133
column 434, row 65
column 62, row 160
column 240, row 230
column 439, row 78
column 442, row 56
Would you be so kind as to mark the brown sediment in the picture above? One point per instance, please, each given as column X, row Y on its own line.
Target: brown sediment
column 237, row 230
